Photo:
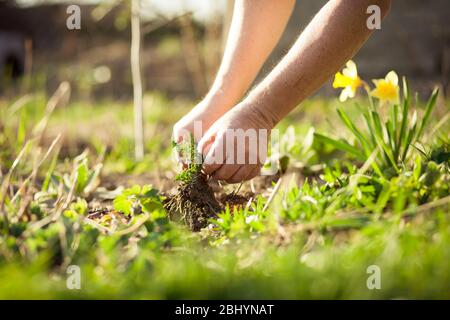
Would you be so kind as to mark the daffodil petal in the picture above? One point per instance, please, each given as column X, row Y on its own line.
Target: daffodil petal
column 374, row 93
column 346, row 93
column 351, row 92
column 392, row 77
column 343, row 96
column 350, row 70
column 341, row 81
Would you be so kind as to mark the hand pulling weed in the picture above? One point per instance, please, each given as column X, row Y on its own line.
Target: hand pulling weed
column 194, row 202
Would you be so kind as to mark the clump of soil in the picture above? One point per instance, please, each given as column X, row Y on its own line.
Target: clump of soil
column 234, row 200
column 194, row 203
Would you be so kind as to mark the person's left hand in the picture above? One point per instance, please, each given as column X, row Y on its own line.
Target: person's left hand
column 235, row 146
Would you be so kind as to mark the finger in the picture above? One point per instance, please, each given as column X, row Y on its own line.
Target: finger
column 241, row 174
column 255, row 172
column 180, row 135
column 182, row 157
column 226, row 171
column 204, row 145
column 178, row 156
column 182, row 161
column 214, row 158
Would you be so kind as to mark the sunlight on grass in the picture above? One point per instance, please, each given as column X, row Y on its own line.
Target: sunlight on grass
column 364, row 185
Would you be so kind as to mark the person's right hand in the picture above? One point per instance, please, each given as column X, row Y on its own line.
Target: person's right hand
column 235, row 146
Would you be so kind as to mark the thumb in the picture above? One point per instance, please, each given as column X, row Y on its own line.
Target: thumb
column 212, row 149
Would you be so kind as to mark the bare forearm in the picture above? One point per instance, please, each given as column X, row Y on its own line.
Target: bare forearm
column 332, row 38
column 255, row 29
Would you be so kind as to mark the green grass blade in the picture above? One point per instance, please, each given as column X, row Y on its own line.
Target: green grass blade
column 344, row 146
column 370, row 129
column 405, row 111
column 357, row 133
column 394, row 120
column 409, row 139
column 49, row 173
column 429, row 108
column 381, row 142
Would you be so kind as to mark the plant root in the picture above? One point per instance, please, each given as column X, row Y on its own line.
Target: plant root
column 193, row 204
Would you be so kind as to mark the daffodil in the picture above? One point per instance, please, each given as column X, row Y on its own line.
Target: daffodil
column 387, row 89
column 349, row 80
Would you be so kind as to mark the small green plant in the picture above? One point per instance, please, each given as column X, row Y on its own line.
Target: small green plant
column 86, row 178
column 192, row 159
column 137, row 200
column 80, row 182
column 291, row 150
column 235, row 221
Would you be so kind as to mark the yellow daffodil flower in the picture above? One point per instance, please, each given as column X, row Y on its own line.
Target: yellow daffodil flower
column 386, row 89
column 348, row 80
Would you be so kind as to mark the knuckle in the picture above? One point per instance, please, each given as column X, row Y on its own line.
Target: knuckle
column 210, row 168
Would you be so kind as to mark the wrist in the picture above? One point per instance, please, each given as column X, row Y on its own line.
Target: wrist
column 263, row 109
column 224, row 94
column 215, row 102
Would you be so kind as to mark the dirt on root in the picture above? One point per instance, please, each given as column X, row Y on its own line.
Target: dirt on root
column 194, row 203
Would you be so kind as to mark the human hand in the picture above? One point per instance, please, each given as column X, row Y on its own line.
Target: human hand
column 198, row 120
column 235, row 146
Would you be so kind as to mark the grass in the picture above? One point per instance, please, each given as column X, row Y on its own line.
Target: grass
column 312, row 233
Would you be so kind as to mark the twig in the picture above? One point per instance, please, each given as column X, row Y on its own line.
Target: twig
column 137, row 80
column 36, row 168
column 60, row 93
column 59, row 210
column 438, row 126
column 6, row 182
column 18, row 104
column 192, row 56
column 424, row 207
column 150, row 28
column 273, row 193
column 134, row 227
column 95, row 224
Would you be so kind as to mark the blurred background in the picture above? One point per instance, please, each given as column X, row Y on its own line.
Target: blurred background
column 182, row 43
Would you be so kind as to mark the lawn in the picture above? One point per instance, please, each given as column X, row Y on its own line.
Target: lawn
column 362, row 191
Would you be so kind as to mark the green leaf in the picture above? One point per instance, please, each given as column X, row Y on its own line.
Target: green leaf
column 380, row 140
column 341, row 145
column 149, row 192
column 395, row 129
column 49, row 173
column 405, row 110
column 362, row 140
column 409, row 138
column 150, row 205
column 122, row 204
column 82, row 177
column 417, row 168
column 429, row 108
column 370, row 128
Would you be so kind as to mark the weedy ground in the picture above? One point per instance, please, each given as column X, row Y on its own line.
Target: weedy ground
column 71, row 194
